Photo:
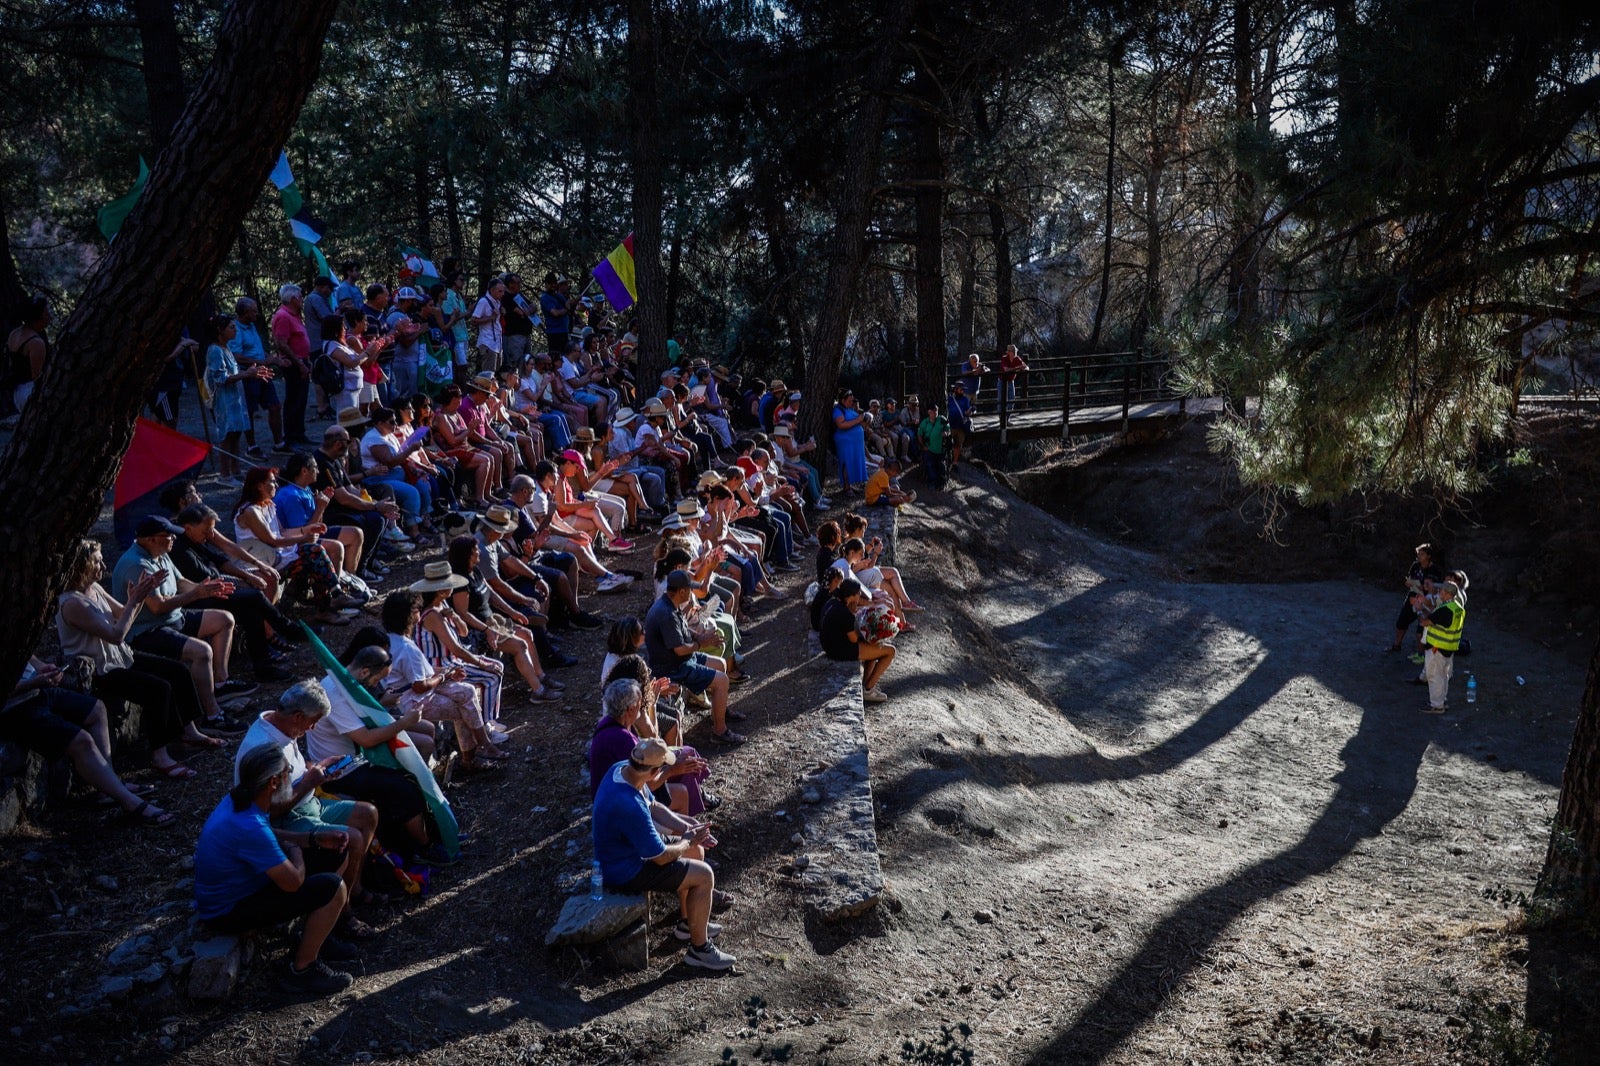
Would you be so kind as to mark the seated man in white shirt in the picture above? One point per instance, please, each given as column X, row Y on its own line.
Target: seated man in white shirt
column 553, row 531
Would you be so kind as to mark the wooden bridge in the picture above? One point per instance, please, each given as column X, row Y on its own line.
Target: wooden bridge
column 1062, row 396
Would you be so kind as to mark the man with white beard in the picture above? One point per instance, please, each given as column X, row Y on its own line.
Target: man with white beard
column 248, row 875
column 298, row 810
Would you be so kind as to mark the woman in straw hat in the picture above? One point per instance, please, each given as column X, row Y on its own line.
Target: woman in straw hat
column 494, row 623
column 440, row 696
column 441, row 634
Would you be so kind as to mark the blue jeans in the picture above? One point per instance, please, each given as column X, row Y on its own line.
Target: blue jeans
column 404, row 372
column 557, row 433
column 407, row 497
column 785, row 524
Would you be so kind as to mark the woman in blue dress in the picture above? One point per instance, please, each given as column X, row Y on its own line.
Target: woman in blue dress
column 849, row 440
column 225, row 382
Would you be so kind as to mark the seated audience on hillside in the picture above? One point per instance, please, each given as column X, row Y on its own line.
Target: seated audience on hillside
column 884, row 485
column 628, row 715
column 93, row 625
column 842, row 641
column 299, row 506
column 253, row 614
column 248, row 875
column 829, row 539
column 442, row 635
column 634, row 857
column 200, row 639
column 821, row 592
column 674, row 651
column 442, row 696
column 299, row 809
column 61, row 724
column 343, row 731
column 535, row 497
column 306, row 564
column 230, row 559
column 494, row 625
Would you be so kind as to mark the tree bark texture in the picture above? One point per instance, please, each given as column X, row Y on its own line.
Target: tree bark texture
column 12, row 292
column 161, row 62
column 967, row 297
column 69, row 444
column 1572, row 864
column 644, row 141
column 847, row 245
column 928, row 170
column 1000, row 237
column 1110, row 196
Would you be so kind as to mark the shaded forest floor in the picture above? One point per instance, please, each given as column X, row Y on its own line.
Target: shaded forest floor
column 1129, row 812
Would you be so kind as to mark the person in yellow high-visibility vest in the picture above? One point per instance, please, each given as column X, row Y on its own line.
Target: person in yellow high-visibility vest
column 1441, row 637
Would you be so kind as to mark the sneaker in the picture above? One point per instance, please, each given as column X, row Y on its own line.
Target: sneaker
column 343, row 602
column 874, row 695
column 377, row 566
column 394, row 533
column 255, row 452
column 681, row 930
column 319, row 979
column 613, row 583
column 788, row 568
column 371, row 576
column 336, row 950
column 282, row 446
column 235, row 687
column 824, row 503
column 709, row 957
column 618, row 544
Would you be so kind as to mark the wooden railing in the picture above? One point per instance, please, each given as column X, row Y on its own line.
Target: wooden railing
column 1053, row 387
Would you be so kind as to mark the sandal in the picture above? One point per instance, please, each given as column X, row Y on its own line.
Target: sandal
column 353, row 928
column 477, row 766
column 176, row 772
column 728, row 738
column 141, row 815
column 204, row 743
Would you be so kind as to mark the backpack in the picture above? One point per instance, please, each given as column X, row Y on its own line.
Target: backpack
column 326, row 372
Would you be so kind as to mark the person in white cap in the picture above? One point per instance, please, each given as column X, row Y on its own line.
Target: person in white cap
column 643, row 846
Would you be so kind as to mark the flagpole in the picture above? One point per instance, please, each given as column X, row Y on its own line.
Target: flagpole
column 205, row 425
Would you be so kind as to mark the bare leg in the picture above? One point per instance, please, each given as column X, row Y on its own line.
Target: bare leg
column 694, row 897
column 319, row 923
column 197, row 657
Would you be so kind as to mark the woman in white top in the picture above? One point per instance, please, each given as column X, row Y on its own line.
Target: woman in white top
column 299, row 555
column 336, row 346
column 92, row 624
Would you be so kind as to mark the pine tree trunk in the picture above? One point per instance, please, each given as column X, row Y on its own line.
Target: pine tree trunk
column 644, row 127
column 1110, row 200
column 161, row 60
column 847, row 247
column 967, row 297
column 1000, row 237
column 56, row 471
column 928, row 170
column 1572, row 865
column 12, row 293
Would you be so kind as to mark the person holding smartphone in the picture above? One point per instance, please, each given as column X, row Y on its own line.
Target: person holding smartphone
column 643, row 846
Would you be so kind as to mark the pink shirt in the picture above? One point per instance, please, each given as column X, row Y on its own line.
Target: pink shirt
column 290, row 331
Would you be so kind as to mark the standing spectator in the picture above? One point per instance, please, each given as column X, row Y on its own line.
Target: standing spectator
column 293, row 347
column 375, row 345
column 933, row 435
column 347, row 297
column 249, row 348
column 556, row 313
column 960, row 420
column 454, row 309
column 486, row 320
column 27, row 349
column 319, row 306
column 972, row 373
column 849, row 441
column 1011, row 365
column 225, row 381
column 168, row 389
column 519, row 320
column 1441, row 633
column 1424, row 573
column 405, row 326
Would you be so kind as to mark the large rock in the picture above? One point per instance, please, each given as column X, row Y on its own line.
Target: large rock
column 589, row 921
column 842, row 875
column 215, row 971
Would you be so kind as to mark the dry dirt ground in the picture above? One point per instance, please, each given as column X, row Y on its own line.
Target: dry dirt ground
column 1124, row 819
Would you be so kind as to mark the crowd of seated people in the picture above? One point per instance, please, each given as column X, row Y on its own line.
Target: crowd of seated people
column 519, row 487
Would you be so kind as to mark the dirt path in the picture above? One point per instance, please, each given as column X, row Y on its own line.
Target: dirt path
column 1124, row 819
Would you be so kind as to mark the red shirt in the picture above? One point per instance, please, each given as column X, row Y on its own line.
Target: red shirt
column 1009, row 365
column 289, row 331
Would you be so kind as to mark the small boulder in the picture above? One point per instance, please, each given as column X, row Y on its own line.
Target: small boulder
column 589, row 921
column 215, row 971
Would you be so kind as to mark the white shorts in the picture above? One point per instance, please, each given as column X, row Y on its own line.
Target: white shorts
column 871, row 577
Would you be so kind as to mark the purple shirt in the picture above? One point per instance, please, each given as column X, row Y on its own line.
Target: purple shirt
column 612, row 743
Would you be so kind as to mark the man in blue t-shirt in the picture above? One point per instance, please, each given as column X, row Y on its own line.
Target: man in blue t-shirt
column 556, row 316
column 634, row 857
column 248, row 875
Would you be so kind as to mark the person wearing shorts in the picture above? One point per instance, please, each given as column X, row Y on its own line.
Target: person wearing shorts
column 250, row 875
column 61, row 724
column 635, row 858
column 673, row 651
column 299, row 810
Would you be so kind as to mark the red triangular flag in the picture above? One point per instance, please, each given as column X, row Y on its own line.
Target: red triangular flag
column 156, row 456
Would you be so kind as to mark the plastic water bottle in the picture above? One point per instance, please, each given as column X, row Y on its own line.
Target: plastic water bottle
column 1472, row 689
column 597, row 887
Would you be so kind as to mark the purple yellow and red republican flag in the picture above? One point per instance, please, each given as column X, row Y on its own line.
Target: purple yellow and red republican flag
column 615, row 275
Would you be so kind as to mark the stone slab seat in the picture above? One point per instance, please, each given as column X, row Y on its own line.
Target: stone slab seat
column 619, row 924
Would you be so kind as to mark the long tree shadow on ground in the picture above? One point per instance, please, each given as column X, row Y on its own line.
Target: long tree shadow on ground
column 1377, row 783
